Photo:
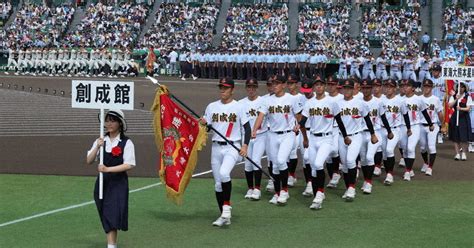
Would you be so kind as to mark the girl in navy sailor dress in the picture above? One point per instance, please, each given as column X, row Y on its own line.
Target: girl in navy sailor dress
column 119, row 157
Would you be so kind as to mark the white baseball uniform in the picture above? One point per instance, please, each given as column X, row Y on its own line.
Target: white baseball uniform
column 428, row 138
column 227, row 119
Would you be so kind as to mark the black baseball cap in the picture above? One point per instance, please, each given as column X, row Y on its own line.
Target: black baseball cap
column 226, row 82
column 306, row 85
column 346, row 83
column 411, row 82
column 428, row 82
column 377, row 82
column 390, row 82
column 437, row 68
column 279, row 79
column 366, row 83
column 251, row 81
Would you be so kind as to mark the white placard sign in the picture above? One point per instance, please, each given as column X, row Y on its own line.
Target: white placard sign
column 102, row 94
column 461, row 73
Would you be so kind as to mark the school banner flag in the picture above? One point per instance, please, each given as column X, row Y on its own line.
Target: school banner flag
column 178, row 137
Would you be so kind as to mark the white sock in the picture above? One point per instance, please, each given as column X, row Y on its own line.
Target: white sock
column 111, row 246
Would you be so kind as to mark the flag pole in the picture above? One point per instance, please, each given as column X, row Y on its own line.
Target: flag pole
column 211, row 128
column 101, row 156
column 457, row 108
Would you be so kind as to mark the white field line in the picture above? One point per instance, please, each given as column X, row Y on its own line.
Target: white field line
column 89, row 202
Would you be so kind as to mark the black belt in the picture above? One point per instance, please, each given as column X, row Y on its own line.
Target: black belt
column 366, row 130
column 322, row 134
column 223, row 143
column 282, row 132
column 349, row 135
column 425, row 125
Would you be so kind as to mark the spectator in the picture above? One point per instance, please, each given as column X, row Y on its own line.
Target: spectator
column 108, row 26
column 256, row 27
column 39, row 26
column 326, row 29
column 180, row 26
column 397, row 29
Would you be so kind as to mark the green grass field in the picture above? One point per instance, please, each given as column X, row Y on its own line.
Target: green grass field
column 413, row 214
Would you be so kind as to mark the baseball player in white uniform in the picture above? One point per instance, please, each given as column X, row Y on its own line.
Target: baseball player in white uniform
column 353, row 112
column 425, row 64
column 269, row 187
column 252, row 104
column 395, row 110
column 333, row 163
column 380, row 154
column 342, row 72
column 307, row 90
column 381, row 67
column 396, row 67
column 12, row 60
column 369, row 149
column 428, row 138
column 318, row 119
column 226, row 116
column 292, row 82
column 281, row 110
column 416, row 107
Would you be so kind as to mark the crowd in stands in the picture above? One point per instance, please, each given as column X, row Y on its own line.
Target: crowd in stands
column 457, row 25
column 326, row 29
column 108, row 26
column 181, row 26
column 38, row 26
column 256, row 27
column 5, row 10
column 396, row 29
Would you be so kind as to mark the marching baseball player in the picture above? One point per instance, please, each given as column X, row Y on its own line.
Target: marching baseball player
column 227, row 116
column 369, row 149
column 318, row 118
column 409, row 68
column 292, row 82
column 307, row 90
column 439, row 90
column 270, row 183
column 395, row 67
column 425, row 65
column 252, row 105
column 282, row 111
column 394, row 110
column 427, row 137
column 12, row 60
column 353, row 112
column 367, row 64
column 380, row 154
column 416, row 108
column 342, row 72
column 402, row 143
column 381, row 67
column 332, row 164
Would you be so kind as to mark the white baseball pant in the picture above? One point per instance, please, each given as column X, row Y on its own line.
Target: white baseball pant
column 349, row 153
column 255, row 151
column 428, row 139
column 280, row 149
column 223, row 160
column 392, row 143
column 412, row 141
column 319, row 150
column 367, row 149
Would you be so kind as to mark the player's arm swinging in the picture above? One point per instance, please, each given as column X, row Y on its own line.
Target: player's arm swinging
column 302, row 123
column 342, row 128
column 258, row 124
column 368, row 122
column 387, row 126
column 247, row 134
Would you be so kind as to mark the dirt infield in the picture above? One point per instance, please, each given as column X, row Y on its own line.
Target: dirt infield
column 65, row 155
